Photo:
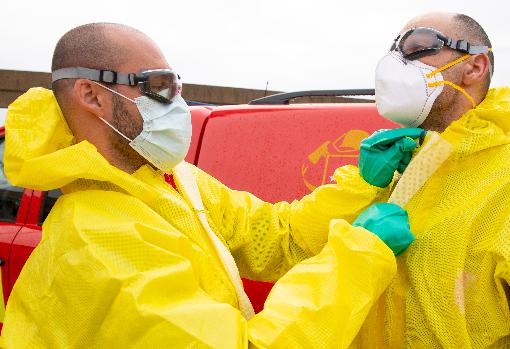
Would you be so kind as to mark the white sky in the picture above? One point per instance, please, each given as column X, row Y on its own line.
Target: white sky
column 294, row 44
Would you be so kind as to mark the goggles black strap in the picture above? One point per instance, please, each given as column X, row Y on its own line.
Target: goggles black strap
column 107, row 76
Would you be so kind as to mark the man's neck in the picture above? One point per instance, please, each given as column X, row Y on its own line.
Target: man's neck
column 439, row 123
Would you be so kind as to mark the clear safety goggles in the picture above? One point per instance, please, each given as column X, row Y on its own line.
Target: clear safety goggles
column 421, row 41
column 161, row 85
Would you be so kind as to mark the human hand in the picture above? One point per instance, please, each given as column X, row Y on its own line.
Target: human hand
column 390, row 223
column 387, row 151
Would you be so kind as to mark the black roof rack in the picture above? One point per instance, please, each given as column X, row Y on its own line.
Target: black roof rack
column 284, row 98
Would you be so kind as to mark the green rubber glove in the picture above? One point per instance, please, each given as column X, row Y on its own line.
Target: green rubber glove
column 385, row 152
column 390, row 223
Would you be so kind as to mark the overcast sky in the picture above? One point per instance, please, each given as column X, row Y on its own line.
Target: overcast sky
column 292, row 44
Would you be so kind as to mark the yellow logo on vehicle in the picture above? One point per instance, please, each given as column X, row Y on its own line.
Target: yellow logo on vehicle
column 323, row 161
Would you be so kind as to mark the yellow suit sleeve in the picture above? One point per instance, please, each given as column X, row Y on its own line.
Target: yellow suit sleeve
column 323, row 301
column 104, row 277
column 267, row 239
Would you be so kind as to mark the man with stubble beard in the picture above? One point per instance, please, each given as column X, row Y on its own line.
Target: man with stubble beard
column 452, row 285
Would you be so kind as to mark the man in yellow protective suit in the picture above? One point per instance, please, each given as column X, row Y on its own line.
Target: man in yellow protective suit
column 452, row 286
column 126, row 260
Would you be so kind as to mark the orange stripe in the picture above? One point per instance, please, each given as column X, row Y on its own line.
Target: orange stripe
column 457, row 87
column 446, row 66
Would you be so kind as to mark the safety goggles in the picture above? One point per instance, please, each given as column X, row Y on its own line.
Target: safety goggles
column 421, row 41
column 161, row 85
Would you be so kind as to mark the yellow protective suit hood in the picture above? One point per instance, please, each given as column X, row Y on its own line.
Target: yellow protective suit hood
column 452, row 286
column 126, row 260
column 42, row 155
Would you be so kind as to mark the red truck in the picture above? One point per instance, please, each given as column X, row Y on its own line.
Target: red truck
column 273, row 149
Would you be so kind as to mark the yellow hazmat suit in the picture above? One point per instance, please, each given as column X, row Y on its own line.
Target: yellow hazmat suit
column 452, row 286
column 125, row 260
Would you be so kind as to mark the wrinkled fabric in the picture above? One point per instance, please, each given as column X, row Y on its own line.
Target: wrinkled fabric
column 452, row 286
column 125, row 262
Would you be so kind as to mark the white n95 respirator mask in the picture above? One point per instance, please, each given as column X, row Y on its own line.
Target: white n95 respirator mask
column 405, row 90
column 166, row 134
column 402, row 91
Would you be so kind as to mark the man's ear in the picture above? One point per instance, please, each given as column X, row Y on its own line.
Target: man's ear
column 92, row 98
column 476, row 70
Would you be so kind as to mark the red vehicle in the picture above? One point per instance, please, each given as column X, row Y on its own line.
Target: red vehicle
column 272, row 149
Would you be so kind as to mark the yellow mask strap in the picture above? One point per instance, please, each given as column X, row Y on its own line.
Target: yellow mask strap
column 446, row 66
column 455, row 86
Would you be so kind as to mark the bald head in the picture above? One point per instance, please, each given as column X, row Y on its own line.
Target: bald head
column 91, row 45
column 108, row 46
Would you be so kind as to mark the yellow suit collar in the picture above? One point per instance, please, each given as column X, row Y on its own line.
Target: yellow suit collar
column 41, row 153
column 483, row 127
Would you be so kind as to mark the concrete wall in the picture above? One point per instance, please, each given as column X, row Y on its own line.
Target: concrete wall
column 13, row 83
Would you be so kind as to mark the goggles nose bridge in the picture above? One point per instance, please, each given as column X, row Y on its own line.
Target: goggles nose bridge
column 394, row 45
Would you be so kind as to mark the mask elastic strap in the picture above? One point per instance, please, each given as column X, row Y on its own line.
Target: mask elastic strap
column 106, row 122
column 113, row 128
column 455, row 86
column 117, row 93
column 446, row 66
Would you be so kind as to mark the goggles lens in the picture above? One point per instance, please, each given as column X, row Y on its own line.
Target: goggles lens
column 162, row 85
column 419, row 42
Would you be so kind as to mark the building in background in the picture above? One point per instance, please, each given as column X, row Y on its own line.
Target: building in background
column 13, row 83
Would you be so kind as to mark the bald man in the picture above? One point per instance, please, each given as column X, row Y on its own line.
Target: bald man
column 452, row 286
column 128, row 260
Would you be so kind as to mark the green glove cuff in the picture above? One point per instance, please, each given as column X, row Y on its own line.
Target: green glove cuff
column 388, row 137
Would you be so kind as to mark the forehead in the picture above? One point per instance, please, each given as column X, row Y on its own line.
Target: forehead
column 141, row 53
column 439, row 21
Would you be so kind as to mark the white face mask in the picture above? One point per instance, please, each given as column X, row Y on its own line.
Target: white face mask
column 166, row 134
column 402, row 93
column 406, row 90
